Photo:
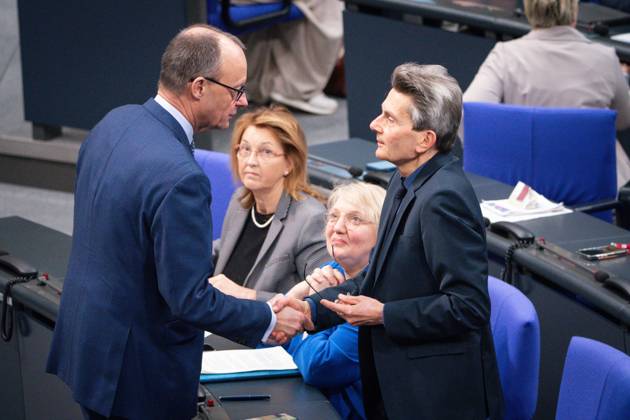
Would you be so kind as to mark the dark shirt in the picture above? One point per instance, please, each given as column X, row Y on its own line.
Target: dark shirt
column 246, row 249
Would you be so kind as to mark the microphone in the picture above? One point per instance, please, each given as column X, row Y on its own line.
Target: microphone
column 352, row 170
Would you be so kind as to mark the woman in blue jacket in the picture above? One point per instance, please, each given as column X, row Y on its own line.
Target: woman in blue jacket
column 329, row 359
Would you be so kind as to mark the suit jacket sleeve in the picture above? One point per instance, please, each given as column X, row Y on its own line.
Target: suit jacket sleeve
column 329, row 358
column 182, row 251
column 325, row 318
column 455, row 251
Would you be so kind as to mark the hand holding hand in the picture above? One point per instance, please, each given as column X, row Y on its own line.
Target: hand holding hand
column 227, row 286
column 357, row 310
column 289, row 323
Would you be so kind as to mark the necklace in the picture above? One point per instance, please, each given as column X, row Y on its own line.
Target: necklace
column 261, row 225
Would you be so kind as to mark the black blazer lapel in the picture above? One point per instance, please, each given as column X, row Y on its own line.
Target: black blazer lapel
column 384, row 242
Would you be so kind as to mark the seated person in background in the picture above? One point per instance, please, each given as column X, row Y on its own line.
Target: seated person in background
column 273, row 230
column 555, row 65
column 330, row 359
column 291, row 63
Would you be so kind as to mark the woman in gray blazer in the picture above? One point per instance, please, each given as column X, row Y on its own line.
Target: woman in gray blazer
column 555, row 65
column 273, row 229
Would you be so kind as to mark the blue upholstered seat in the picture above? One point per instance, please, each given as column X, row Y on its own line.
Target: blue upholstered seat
column 516, row 334
column 567, row 155
column 241, row 13
column 595, row 382
column 216, row 166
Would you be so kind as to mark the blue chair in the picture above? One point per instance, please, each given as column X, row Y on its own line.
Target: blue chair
column 216, row 166
column 567, row 155
column 516, row 334
column 239, row 19
column 595, row 382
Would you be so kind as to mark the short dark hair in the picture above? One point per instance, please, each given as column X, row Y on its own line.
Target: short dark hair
column 192, row 53
column 436, row 100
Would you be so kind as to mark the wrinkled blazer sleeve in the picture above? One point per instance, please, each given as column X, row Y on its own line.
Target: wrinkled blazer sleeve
column 179, row 246
column 329, row 358
column 460, row 266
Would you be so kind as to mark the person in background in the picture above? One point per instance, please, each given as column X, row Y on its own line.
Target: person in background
column 273, row 229
column 555, row 65
column 329, row 359
column 290, row 63
column 128, row 337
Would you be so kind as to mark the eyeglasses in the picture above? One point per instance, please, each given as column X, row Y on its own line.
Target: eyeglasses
column 350, row 221
column 264, row 155
column 237, row 92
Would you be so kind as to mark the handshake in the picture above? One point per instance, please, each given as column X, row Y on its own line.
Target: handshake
column 293, row 316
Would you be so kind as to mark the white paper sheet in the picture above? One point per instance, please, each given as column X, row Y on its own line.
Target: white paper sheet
column 233, row 361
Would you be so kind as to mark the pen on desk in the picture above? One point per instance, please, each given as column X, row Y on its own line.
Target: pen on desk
column 620, row 245
column 245, row 397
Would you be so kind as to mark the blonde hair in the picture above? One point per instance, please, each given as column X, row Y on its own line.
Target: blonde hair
column 548, row 13
column 288, row 132
column 367, row 197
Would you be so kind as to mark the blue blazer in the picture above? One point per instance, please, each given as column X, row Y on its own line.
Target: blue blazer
column 434, row 355
column 128, row 338
column 329, row 360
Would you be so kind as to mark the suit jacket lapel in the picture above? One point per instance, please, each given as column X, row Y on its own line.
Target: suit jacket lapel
column 384, row 241
column 233, row 232
column 277, row 224
column 167, row 119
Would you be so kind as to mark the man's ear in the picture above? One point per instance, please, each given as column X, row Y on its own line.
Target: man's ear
column 426, row 141
column 197, row 87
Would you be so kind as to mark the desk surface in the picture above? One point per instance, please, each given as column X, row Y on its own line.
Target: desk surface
column 48, row 250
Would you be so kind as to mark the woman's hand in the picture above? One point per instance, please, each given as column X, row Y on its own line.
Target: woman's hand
column 319, row 279
column 228, row 287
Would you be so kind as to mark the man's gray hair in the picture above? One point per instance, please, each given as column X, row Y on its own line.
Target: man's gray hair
column 436, row 97
column 195, row 51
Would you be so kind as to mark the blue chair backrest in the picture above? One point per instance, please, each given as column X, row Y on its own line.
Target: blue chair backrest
column 595, row 382
column 516, row 334
column 567, row 155
column 241, row 13
column 216, row 166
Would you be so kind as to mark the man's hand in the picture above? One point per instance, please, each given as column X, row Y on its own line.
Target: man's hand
column 357, row 310
column 289, row 323
column 293, row 316
column 228, row 287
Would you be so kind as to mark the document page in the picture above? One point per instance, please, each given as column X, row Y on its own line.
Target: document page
column 234, row 361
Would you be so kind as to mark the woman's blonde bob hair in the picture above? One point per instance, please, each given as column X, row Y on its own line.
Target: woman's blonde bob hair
column 367, row 198
column 548, row 13
column 288, row 132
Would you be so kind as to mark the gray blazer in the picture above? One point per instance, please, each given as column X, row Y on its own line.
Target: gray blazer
column 295, row 241
column 555, row 67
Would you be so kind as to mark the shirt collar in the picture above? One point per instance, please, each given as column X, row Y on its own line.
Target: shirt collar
column 408, row 181
column 188, row 129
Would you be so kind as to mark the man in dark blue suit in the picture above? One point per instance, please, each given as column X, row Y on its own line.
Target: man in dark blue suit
column 423, row 310
column 128, row 338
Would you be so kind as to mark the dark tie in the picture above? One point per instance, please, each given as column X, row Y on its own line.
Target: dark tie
column 398, row 196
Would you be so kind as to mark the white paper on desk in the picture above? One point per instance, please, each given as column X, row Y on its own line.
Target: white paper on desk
column 234, row 361
column 625, row 37
column 523, row 204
